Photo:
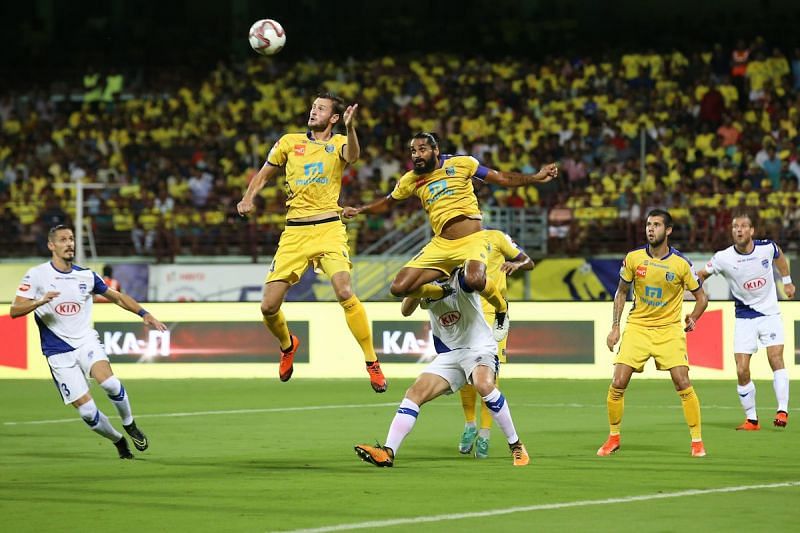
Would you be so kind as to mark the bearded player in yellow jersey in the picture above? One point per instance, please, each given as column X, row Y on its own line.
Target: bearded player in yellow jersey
column 505, row 258
column 660, row 275
column 314, row 234
column 443, row 183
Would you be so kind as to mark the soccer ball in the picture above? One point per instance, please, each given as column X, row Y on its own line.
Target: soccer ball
column 267, row 37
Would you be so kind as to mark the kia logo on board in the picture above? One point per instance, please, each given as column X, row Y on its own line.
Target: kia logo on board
column 449, row 318
column 68, row 308
column 755, row 284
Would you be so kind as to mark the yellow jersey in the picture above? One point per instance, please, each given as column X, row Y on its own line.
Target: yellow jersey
column 313, row 172
column 445, row 193
column 503, row 248
column 658, row 286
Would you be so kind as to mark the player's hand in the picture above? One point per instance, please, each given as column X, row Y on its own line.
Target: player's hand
column 349, row 115
column 690, row 323
column 244, row 207
column 350, row 212
column 613, row 338
column 789, row 290
column 48, row 297
column 547, row 173
column 509, row 267
column 153, row 322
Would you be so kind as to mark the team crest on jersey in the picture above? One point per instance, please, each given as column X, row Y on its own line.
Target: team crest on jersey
column 765, row 263
column 299, row 150
column 450, row 171
column 83, row 288
column 449, row 318
column 330, row 148
column 641, row 271
column 670, row 276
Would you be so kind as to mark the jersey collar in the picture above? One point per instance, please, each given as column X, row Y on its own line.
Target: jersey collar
column 647, row 250
column 735, row 249
column 310, row 136
column 60, row 271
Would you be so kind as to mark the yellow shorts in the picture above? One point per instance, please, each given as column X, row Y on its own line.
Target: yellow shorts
column 446, row 255
column 665, row 344
column 324, row 245
column 488, row 314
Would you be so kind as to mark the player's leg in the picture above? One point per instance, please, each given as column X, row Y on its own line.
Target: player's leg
column 427, row 387
column 780, row 383
column 615, row 405
column 275, row 321
column 356, row 317
column 100, row 424
column 746, row 390
column 691, row 407
column 470, row 433
column 483, row 378
column 745, row 335
column 416, row 283
column 102, row 373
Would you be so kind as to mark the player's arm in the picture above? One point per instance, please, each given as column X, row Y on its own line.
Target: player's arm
column 129, row 304
column 783, row 269
column 352, row 150
column 381, row 205
column 267, row 172
column 619, row 304
column 700, row 304
column 521, row 262
column 409, row 305
column 517, row 179
column 22, row 306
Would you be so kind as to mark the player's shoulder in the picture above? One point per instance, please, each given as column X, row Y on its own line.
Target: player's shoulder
column 767, row 246
column 498, row 237
column 459, row 159
column 678, row 257
column 637, row 254
column 339, row 139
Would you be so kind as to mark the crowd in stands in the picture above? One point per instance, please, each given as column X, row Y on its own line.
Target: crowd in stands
column 718, row 129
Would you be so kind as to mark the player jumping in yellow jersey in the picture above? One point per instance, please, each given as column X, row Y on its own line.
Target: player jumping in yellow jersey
column 443, row 184
column 505, row 258
column 314, row 234
column 660, row 275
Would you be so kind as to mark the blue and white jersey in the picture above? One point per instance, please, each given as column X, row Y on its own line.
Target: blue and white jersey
column 457, row 321
column 750, row 278
column 65, row 322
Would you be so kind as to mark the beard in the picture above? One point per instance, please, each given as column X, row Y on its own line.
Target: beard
column 316, row 126
column 655, row 242
column 428, row 167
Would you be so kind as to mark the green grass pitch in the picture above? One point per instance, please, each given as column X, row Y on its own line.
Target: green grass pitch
column 260, row 455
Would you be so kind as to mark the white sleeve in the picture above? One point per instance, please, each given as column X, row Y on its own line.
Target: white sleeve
column 29, row 285
column 713, row 266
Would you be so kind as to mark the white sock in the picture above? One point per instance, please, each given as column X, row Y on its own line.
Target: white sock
column 97, row 421
column 483, row 433
column 402, row 424
column 118, row 396
column 469, row 425
column 498, row 406
column 780, row 382
column 747, row 397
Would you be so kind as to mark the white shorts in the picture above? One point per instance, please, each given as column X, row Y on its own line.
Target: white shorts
column 70, row 370
column 457, row 366
column 750, row 334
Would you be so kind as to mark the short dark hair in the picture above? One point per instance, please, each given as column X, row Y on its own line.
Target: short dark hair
column 108, row 271
column 429, row 137
column 663, row 214
column 744, row 213
column 55, row 229
column 338, row 102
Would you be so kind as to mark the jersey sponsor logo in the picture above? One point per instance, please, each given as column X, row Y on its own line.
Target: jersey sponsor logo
column 670, row 276
column 652, row 296
column 68, row 308
column 299, row 150
column 24, row 287
column 754, row 284
column 449, row 318
column 437, row 189
column 641, row 271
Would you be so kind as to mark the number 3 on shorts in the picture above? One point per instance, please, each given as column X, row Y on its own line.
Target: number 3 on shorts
column 65, row 389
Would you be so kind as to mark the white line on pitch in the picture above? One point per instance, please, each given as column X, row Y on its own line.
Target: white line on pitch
column 542, row 507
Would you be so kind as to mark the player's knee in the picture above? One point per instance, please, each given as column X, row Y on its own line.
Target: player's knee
column 343, row 294
column 270, row 308
column 400, row 288
column 475, row 280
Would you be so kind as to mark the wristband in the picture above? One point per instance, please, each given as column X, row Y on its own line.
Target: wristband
column 786, row 280
column 141, row 312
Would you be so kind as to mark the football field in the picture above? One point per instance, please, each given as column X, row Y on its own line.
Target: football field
column 260, row 455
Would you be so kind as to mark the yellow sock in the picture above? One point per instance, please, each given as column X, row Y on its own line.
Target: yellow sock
column 277, row 325
column 493, row 296
column 429, row 290
column 357, row 321
column 615, row 402
column 691, row 411
column 468, row 397
column 486, row 416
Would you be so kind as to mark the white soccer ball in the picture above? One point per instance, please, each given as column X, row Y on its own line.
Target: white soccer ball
column 267, row 37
